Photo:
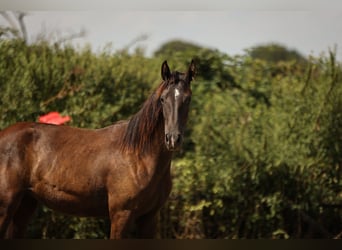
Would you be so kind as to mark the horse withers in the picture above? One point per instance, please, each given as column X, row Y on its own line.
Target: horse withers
column 121, row 171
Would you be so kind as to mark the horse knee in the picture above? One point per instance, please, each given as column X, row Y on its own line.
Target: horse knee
column 120, row 224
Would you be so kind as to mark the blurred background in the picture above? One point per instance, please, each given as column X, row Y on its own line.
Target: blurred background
column 263, row 151
column 311, row 32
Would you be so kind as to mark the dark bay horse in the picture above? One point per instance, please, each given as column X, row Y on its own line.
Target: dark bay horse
column 121, row 171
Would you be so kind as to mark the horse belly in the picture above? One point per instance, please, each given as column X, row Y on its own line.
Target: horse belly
column 91, row 204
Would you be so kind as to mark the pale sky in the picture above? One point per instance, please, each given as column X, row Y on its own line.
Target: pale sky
column 230, row 31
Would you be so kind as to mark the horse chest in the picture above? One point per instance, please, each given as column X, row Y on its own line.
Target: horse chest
column 154, row 194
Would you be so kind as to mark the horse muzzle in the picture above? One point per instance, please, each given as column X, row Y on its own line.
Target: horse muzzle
column 173, row 141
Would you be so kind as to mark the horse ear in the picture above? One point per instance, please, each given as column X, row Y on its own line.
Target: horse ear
column 165, row 71
column 191, row 71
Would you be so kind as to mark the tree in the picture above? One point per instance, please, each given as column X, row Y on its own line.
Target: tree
column 274, row 53
column 174, row 46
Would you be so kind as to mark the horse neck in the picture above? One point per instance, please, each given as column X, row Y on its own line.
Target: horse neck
column 144, row 135
column 158, row 142
column 157, row 154
column 148, row 146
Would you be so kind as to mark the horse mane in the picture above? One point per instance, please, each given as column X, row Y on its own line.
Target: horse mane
column 143, row 125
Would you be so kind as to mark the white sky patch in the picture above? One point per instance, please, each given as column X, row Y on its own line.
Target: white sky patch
column 231, row 31
column 203, row 5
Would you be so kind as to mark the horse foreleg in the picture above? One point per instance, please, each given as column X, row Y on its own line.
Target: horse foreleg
column 21, row 218
column 5, row 220
column 8, row 205
column 120, row 223
column 146, row 226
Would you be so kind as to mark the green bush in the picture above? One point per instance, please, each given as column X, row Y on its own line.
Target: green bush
column 267, row 158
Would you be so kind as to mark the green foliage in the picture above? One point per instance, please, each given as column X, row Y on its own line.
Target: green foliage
column 93, row 89
column 262, row 155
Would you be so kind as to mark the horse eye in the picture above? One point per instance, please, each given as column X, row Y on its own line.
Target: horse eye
column 162, row 99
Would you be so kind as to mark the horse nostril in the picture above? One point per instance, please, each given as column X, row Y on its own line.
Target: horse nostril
column 173, row 140
column 178, row 139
